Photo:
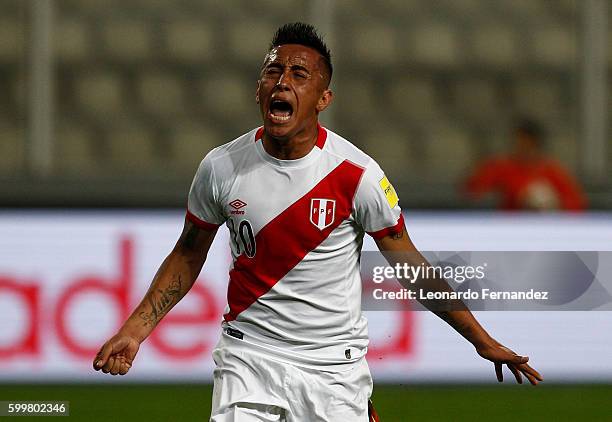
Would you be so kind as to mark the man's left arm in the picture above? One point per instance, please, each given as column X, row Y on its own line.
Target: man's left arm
column 455, row 313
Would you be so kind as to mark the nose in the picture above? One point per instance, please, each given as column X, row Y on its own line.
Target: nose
column 282, row 82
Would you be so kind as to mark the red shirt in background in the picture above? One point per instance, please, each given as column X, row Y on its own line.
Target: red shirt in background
column 536, row 184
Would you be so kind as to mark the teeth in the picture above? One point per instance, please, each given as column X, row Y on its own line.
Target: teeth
column 281, row 118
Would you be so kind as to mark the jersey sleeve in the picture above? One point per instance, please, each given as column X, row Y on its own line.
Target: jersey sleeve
column 203, row 206
column 376, row 204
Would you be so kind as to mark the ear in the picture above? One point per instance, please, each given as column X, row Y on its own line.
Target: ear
column 257, row 92
column 325, row 100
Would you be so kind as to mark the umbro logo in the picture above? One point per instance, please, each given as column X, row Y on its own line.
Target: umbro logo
column 237, row 204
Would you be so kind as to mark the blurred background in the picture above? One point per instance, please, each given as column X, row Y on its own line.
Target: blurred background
column 114, row 103
column 470, row 106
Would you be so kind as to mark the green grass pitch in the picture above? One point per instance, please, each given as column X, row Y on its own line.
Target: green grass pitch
column 152, row 402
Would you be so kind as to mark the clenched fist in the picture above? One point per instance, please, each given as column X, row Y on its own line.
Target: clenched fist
column 116, row 355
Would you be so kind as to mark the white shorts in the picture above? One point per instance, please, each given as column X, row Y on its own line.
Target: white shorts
column 250, row 386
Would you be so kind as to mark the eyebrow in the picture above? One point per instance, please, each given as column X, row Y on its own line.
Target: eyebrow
column 300, row 67
column 277, row 64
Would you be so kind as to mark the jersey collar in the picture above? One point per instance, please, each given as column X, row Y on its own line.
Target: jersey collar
column 321, row 135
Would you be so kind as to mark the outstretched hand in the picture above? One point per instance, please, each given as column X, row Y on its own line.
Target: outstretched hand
column 501, row 355
column 116, row 355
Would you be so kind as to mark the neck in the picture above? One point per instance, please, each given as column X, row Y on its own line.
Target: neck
column 297, row 146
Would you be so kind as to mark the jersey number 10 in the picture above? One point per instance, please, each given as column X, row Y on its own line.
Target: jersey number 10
column 244, row 235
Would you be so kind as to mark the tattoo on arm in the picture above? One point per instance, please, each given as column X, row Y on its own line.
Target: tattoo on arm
column 397, row 236
column 161, row 301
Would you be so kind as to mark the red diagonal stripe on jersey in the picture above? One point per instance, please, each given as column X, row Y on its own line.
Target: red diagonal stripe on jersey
column 285, row 241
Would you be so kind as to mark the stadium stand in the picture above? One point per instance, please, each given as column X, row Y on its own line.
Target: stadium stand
column 136, row 82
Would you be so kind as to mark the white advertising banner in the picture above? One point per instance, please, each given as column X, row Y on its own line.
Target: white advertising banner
column 68, row 279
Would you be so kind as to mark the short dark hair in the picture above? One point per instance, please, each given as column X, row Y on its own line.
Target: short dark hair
column 302, row 34
column 533, row 129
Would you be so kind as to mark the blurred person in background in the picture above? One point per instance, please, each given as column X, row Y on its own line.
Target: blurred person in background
column 527, row 178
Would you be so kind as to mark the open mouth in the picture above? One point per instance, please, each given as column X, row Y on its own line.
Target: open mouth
column 280, row 110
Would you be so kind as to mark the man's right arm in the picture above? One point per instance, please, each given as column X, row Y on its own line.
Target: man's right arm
column 171, row 283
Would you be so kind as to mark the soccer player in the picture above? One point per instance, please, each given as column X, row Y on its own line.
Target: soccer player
column 297, row 199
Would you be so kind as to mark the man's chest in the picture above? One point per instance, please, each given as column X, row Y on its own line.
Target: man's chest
column 300, row 205
column 268, row 194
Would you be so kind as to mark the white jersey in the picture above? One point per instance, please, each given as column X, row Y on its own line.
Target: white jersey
column 296, row 231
